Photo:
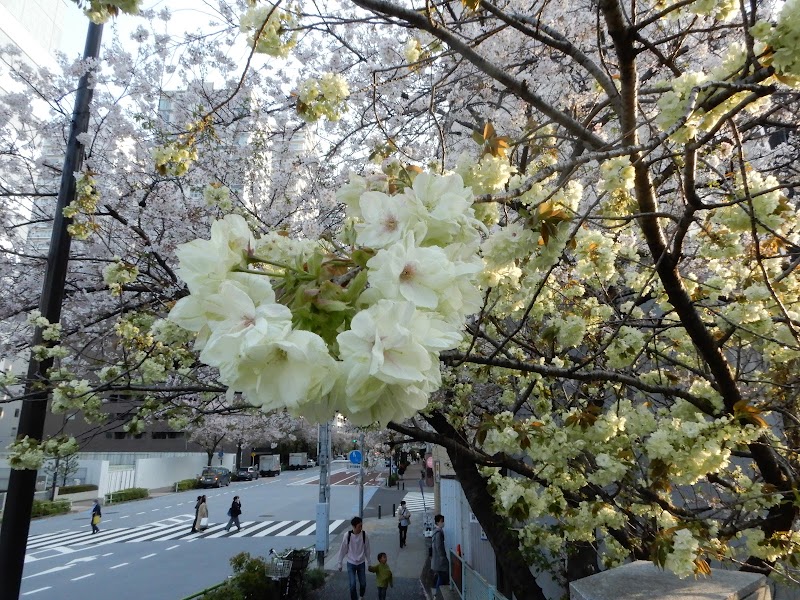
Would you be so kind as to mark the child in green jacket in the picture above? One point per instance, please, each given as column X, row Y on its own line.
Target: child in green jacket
column 384, row 574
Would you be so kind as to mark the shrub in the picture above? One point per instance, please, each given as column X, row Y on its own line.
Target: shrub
column 392, row 480
column 314, row 578
column 129, row 494
column 187, row 484
column 74, row 489
column 249, row 581
column 44, row 508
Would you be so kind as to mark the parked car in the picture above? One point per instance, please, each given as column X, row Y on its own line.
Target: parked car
column 311, row 463
column 246, row 474
column 215, row 477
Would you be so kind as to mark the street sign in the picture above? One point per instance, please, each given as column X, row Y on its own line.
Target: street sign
column 220, row 454
column 355, row 457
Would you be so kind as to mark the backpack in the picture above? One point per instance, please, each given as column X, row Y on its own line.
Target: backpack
column 363, row 537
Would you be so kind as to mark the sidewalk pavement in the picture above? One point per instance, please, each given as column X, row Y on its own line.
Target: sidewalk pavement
column 406, row 563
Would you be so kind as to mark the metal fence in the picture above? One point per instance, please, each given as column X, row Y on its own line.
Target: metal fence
column 469, row 584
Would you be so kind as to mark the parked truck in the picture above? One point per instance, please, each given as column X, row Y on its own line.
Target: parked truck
column 269, row 465
column 298, row 460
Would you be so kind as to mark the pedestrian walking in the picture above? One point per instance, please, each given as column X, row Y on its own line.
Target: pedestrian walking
column 355, row 549
column 233, row 512
column 403, row 521
column 96, row 517
column 201, row 519
column 196, row 512
column 384, row 575
column 440, row 565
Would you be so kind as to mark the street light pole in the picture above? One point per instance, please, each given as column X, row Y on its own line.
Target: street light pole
column 361, row 476
column 22, row 483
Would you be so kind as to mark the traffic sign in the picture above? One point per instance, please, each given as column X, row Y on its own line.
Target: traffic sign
column 355, row 457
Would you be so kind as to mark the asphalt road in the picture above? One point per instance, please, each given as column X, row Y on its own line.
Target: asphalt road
column 145, row 548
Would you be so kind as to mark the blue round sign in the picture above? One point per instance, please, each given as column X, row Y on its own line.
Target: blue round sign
column 355, row 457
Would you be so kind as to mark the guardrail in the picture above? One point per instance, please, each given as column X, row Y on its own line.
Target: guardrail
column 469, row 584
column 205, row 591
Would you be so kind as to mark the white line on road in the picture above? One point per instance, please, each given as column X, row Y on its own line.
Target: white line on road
column 107, row 554
column 82, row 577
column 265, row 532
column 148, row 555
column 140, row 513
column 294, row 527
column 37, row 590
column 125, row 517
column 173, row 547
column 117, row 566
column 166, row 507
column 155, row 509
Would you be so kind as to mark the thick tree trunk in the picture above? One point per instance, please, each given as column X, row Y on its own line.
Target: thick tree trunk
column 210, row 454
column 503, row 539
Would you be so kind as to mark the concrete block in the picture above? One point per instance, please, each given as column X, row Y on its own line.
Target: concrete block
column 642, row 580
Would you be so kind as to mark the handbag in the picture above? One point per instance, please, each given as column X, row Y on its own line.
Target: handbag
column 229, row 513
column 204, row 523
column 96, row 520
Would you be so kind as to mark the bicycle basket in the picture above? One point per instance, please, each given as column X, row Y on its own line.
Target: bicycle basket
column 300, row 559
column 279, row 568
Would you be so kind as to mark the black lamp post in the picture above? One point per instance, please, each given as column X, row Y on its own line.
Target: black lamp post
column 22, row 483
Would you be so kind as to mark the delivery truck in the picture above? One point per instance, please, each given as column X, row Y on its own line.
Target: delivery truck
column 298, row 460
column 269, row 465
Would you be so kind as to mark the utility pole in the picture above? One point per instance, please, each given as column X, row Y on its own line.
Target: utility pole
column 324, row 504
column 361, row 476
column 22, row 483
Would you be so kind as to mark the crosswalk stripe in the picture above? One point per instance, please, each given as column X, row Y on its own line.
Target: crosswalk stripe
column 223, row 532
column 160, row 532
column 416, row 502
column 275, row 527
column 294, row 527
column 251, row 530
column 309, row 530
column 334, row 525
column 174, row 528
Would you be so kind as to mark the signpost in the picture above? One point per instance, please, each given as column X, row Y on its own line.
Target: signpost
column 355, row 457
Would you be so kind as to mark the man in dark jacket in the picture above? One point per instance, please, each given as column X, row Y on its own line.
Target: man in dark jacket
column 439, row 563
column 233, row 512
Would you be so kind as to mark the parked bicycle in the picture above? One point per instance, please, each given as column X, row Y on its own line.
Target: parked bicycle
column 287, row 568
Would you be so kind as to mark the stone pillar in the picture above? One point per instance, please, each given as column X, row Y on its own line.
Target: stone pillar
column 642, row 580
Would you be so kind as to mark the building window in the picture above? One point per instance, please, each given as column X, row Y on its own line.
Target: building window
column 2, row 411
column 16, row 412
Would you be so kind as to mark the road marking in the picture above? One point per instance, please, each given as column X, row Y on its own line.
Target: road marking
column 334, row 525
column 82, row 577
column 125, row 517
column 250, row 531
column 173, row 547
column 148, row 555
column 166, row 507
column 294, row 527
column 140, row 513
column 280, row 525
column 107, row 554
column 155, row 509
column 37, row 590
column 117, row 566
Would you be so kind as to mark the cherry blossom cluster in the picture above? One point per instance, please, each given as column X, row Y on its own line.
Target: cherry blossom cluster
column 316, row 327
column 323, row 97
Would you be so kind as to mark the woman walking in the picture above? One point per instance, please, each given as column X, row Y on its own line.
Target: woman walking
column 403, row 520
column 233, row 512
column 96, row 516
column 201, row 520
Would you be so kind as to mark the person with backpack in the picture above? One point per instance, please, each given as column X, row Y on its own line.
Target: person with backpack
column 233, row 512
column 403, row 520
column 355, row 549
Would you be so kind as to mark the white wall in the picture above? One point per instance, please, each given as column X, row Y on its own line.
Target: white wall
column 163, row 472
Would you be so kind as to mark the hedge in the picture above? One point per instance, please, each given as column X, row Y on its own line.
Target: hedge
column 187, row 484
column 129, row 494
column 44, row 508
column 74, row 489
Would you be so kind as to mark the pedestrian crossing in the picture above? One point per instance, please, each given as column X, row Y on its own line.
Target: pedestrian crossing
column 173, row 528
column 415, row 502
